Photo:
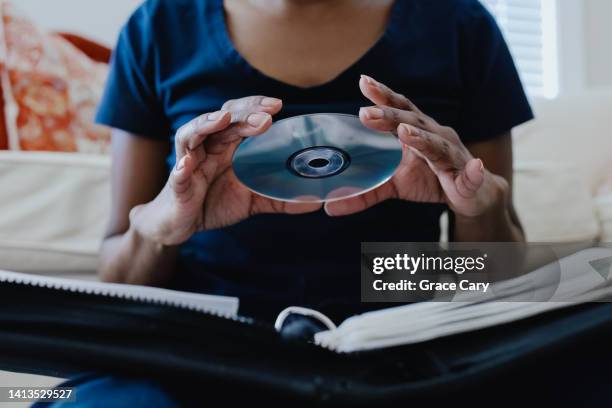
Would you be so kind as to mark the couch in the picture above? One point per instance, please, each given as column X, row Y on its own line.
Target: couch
column 55, row 205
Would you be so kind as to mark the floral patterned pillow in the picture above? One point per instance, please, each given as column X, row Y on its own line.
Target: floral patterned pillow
column 50, row 88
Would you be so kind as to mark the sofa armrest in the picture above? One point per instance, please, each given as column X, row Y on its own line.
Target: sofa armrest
column 53, row 211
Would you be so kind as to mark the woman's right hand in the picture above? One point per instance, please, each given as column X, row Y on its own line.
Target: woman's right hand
column 202, row 192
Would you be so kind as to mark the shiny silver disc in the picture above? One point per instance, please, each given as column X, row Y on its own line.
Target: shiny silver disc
column 317, row 158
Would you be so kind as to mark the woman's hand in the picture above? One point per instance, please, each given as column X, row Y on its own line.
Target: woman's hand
column 436, row 166
column 202, row 193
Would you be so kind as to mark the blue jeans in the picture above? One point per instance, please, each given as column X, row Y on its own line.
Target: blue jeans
column 102, row 392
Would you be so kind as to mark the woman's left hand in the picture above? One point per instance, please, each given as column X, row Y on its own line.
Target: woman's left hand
column 436, row 166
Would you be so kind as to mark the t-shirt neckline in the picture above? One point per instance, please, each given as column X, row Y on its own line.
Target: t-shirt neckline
column 231, row 54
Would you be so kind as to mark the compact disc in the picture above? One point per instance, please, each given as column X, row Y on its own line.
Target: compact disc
column 317, row 158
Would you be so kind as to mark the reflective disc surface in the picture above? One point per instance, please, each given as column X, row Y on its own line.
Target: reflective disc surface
column 317, row 158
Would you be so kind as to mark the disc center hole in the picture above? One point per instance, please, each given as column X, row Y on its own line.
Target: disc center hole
column 318, row 163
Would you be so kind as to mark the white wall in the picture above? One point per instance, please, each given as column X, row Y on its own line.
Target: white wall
column 570, row 46
column 598, row 36
column 97, row 19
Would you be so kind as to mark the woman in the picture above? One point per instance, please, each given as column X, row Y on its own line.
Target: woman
column 186, row 83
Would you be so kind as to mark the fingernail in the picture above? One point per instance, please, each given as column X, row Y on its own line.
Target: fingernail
column 181, row 164
column 407, row 129
column 258, row 119
column 374, row 113
column 481, row 165
column 269, row 102
column 369, row 80
column 215, row 115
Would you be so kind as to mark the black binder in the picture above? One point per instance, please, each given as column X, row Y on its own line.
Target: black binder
column 62, row 333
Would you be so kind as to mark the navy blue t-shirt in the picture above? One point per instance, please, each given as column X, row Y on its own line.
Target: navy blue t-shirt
column 175, row 61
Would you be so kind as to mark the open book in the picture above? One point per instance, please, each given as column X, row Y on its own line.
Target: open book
column 579, row 278
column 582, row 277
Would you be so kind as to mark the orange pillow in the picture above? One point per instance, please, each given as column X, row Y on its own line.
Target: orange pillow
column 92, row 49
column 51, row 89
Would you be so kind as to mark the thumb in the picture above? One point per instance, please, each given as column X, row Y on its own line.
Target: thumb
column 470, row 180
column 301, row 205
column 180, row 179
column 359, row 203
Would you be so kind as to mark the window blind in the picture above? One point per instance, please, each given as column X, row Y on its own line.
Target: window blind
column 526, row 27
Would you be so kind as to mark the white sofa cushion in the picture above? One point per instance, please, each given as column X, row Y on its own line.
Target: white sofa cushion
column 571, row 130
column 554, row 203
column 53, row 211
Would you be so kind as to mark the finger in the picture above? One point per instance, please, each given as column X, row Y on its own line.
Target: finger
column 381, row 94
column 192, row 134
column 301, row 208
column 244, row 124
column 361, row 202
column 251, row 116
column 254, row 103
column 386, row 119
column 439, row 152
column 251, row 124
column 470, row 180
column 264, row 205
